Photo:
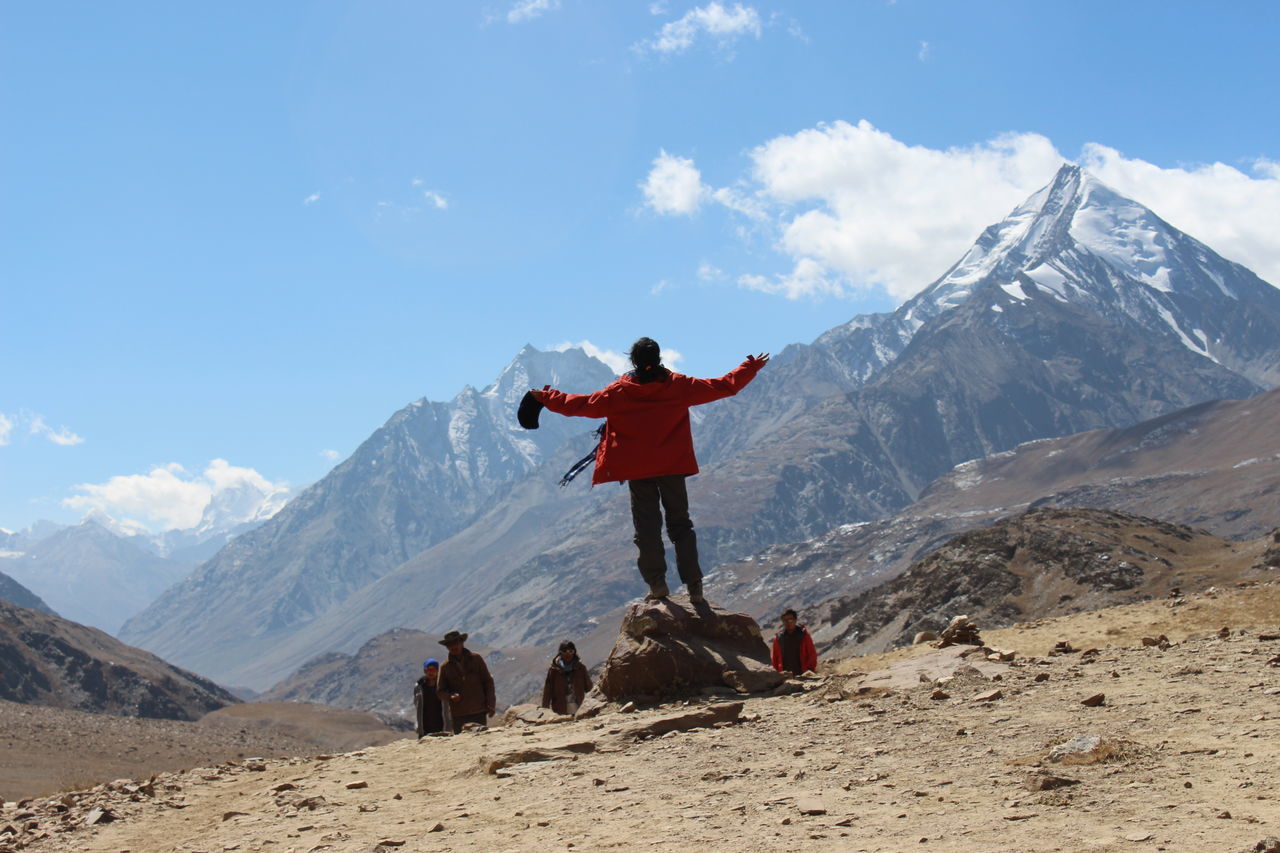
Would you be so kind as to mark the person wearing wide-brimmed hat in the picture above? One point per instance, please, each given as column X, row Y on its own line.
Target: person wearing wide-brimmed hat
column 465, row 683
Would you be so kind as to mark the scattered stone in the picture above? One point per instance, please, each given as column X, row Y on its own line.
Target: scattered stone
column 1041, row 676
column 1042, row 781
column 960, row 631
column 1224, row 815
column 1224, row 633
column 285, row 786
column 358, row 784
column 810, row 806
column 226, row 816
column 1270, row 844
column 939, row 695
column 97, row 816
column 1080, row 745
column 988, row 696
column 1094, row 701
column 923, row 637
column 439, row 827
column 752, row 680
column 386, row 842
column 256, row 766
column 1137, row 837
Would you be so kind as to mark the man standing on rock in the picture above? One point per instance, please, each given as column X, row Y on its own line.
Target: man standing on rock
column 465, row 684
column 426, row 701
column 793, row 649
column 647, row 443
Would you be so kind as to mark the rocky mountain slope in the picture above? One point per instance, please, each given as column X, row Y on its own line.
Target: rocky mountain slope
column 15, row 593
column 93, row 576
column 1042, row 563
column 1080, row 311
column 1215, row 465
column 46, row 660
column 414, row 482
column 1179, row 753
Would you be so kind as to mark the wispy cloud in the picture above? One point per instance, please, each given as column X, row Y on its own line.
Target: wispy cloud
column 854, row 210
column 311, row 199
column 719, row 23
column 617, row 362
column 527, row 10
column 6, row 427
column 923, row 54
column 331, row 455
column 674, row 185
column 61, row 436
column 169, row 498
column 437, row 200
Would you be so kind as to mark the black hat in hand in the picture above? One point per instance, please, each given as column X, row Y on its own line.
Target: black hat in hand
column 529, row 410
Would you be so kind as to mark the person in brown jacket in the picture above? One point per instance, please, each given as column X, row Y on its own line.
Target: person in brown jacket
column 567, row 681
column 465, row 683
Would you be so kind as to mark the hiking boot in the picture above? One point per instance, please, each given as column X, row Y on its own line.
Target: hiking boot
column 695, row 592
column 657, row 590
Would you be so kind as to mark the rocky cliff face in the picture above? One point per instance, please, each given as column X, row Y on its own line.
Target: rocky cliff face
column 1080, row 311
column 45, row 660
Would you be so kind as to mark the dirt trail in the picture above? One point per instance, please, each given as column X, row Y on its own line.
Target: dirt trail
column 1195, row 764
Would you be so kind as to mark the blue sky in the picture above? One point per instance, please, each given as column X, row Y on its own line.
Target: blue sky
column 251, row 231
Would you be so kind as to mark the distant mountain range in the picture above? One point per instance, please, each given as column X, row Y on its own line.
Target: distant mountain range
column 1080, row 311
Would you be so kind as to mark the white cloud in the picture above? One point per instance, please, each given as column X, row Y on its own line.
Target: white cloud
column 924, row 51
column 527, row 10
column 722, row 24
column 331, row 455
column 674, row 185
column 62, row 436
column 311, row 199
column 167, row 497
column 709, row 272
column 852, row 209
column 436, row 199
column 6, row 427
column 617, row 362
column 1224, row 208
column 661, row 286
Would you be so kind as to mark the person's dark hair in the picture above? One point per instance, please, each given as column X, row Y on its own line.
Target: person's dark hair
column 791, row 613
column 646, row 357
column 568, row 646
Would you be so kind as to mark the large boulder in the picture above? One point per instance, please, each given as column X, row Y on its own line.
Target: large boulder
column 671, row 647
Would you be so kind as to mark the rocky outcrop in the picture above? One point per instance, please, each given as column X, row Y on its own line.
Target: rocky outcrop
column 1041, row 563
column 15, row 593
column 672, row 648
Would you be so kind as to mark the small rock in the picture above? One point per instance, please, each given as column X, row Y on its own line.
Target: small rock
column 439, row 827
column 1048, row 782
column 810, row 805
column 939, row 695
column 1138, row 836
column 256, row 766
column 988, row 696
column 228, row 815
column 1224, row 815
column 353, row 786
column 97, row 816
column 627, row 708
column 1270, row 844
column 285, row 786
column 387, row 842
column 1041, row 676
column 1094, row 701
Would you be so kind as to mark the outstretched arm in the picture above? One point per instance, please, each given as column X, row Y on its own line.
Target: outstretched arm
column 574, row 405
column 706, row 390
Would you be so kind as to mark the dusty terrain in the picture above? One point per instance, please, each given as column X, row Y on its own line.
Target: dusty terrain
column 1189, row 760
column 43, row 750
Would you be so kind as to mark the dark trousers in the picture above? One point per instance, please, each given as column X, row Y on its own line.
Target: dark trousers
column 651, row 499
column 460, row 720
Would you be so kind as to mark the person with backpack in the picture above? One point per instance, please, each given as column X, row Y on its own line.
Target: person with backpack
column 793, row 649
column 647, row 443
column 567, row 681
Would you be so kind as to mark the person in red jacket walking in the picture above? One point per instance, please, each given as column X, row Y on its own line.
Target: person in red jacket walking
column 793, row 649
column 647, row 443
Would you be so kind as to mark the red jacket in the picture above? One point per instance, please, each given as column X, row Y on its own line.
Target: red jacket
column 808, row 654
column 647, row 432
